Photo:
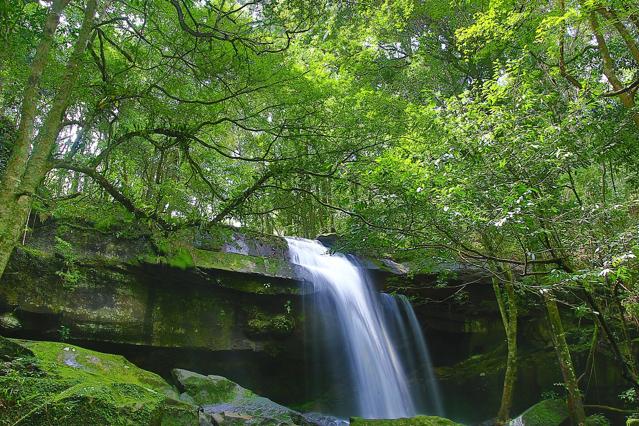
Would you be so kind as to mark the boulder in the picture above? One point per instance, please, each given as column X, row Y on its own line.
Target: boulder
column 329, row 240
column 55, row 383
column 549, row 412
column 229, row 403
column 9, row 321
column 10, row 350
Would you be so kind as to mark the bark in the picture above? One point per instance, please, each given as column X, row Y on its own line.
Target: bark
column 562, row 48
column 20, row 152
column 508, row 309
column 112, row 191
column 18, row 189
column 627, row 367
column 575, row 403
column 10, row 225
column 237, row 201
column 626, row 98
column 611, row 15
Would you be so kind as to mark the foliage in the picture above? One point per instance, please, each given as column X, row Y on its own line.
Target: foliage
column 70, row 273
column 501, row 134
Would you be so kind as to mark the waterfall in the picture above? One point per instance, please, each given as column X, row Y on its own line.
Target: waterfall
column 368, row 341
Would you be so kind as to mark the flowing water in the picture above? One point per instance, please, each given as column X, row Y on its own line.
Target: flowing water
column 368, row 341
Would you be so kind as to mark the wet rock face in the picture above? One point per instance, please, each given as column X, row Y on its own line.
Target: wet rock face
column 218, row 291
column 97, row 287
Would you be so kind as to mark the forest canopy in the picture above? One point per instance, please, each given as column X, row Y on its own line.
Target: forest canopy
column 499, row 133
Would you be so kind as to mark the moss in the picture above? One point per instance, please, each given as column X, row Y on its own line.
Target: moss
column 491, row 364
column 549, row 412
column 181, row 259
column 196, row 321
column 241, row 263
column 208, row 389
column 274, row 241
column 220, row 396
column 74, row 362
column 476, row 365
column 597, row 420
column 36, row 253
column 10, row 349
column 66, row 384
column 417, row 421
column 270, row 325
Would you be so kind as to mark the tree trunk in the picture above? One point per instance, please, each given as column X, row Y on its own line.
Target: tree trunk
column 20, row 151
column 575, row 403
column 10, row 221
column 25, row 172
column 627, row 98
column 508, row 309
column 625, row 360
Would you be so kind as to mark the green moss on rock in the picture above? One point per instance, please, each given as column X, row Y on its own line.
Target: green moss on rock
column 598, row 420
column 417, row 421
column 270, row 325
column 45, row 383
column 208, row 389
column 232, row 403
column 10, row 349
column 549, row 412
column 181, row 259
column 242, row 263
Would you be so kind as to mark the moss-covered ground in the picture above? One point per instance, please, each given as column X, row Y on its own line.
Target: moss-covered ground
column 413, row 421
column 47, row 383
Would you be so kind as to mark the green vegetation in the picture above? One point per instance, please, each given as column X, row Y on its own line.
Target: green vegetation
column 416, row 421
column 500, row 134
column 46, row 383
column 545, row 413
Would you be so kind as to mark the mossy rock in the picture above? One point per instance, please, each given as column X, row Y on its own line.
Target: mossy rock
column 10, row 349
column 230, row 402
column 48, row 383
column 207, row 389
column 549, row 412
column 598, row 420
column 410, row 421
column 279, row 325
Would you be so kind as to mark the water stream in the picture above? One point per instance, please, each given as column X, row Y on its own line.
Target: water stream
column 369, row 341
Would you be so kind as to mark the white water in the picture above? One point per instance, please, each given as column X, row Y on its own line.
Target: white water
column 359, row 334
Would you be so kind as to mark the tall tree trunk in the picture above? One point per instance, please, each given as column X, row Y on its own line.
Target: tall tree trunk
column 624, row 358
column 10, row 223
column 508, row 309
column 28, row 171
column 627, row 98
column 20, row 152
column 575, row 403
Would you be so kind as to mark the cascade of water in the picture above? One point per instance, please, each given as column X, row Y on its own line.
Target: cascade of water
column 416, row 352
column 359, row 334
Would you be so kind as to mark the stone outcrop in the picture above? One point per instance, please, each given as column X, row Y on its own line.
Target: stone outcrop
column 229, row 403
column 49, row 383
column 549, row 412
column 96, row 286
column 217, row 291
